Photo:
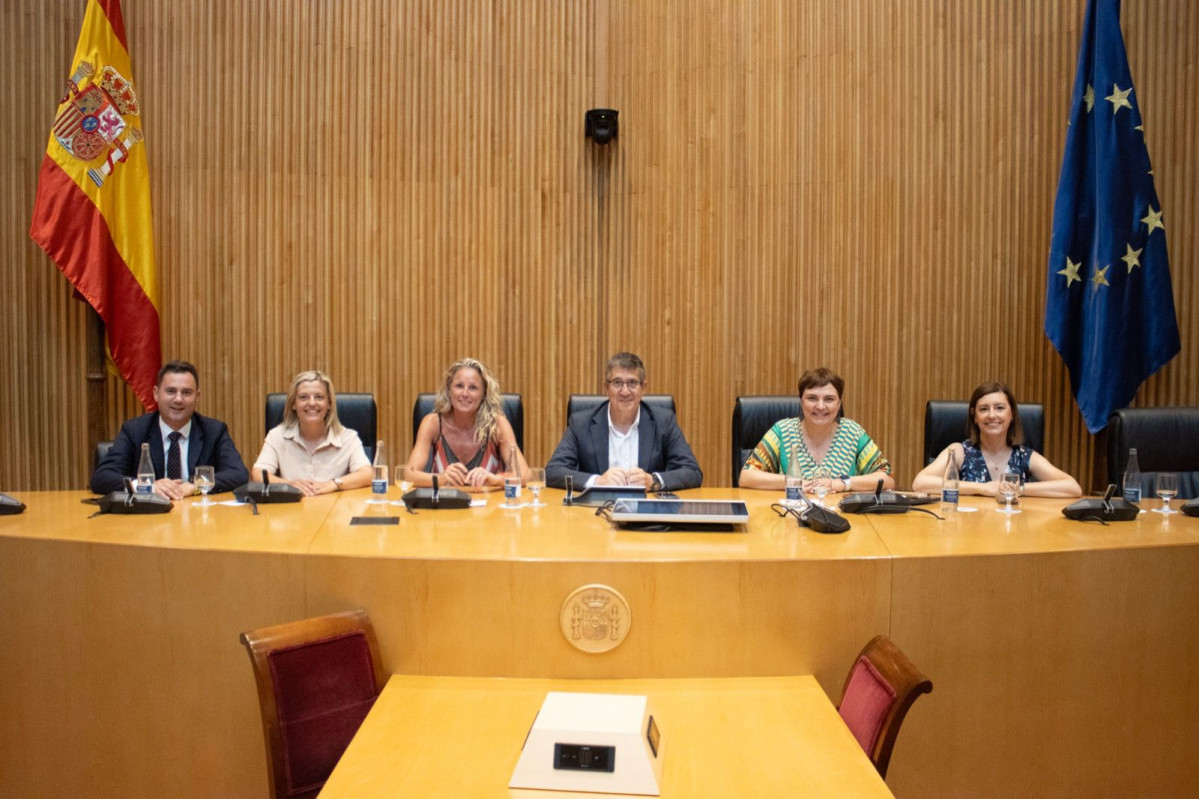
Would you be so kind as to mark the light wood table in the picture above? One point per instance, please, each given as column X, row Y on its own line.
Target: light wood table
column 1062, row 653
column 462, row 736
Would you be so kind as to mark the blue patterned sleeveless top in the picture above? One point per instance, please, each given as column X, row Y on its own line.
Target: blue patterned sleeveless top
column 974, row 465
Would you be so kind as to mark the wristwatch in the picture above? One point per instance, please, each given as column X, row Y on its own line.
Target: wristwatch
column 844, row 484
column 337, row 482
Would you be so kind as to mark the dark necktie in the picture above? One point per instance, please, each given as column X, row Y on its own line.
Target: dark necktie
column 175, row 458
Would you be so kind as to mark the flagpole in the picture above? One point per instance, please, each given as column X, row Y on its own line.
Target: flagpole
column 97, row 376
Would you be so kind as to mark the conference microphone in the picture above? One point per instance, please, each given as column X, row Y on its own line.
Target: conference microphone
column 1107, row 509
column 129, row 501
column 821, row 519
column 436, row 498
column 263, row 493
column 878, row 501
column 1191, row 508
column 10, row 506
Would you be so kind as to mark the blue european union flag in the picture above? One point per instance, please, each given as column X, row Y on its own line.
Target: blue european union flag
column 1109, row 305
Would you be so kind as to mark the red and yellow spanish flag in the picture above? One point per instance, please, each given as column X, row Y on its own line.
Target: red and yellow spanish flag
column 92, row 215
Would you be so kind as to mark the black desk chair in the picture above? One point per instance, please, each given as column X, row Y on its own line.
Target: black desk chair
column 579, row 403
column 1166, row 440
column 752, row 417
column 102, row 449
column 945, row 424
column 356, row 411
column 514, row 410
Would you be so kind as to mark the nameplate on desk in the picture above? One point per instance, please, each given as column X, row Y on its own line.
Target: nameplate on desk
column 384, row 520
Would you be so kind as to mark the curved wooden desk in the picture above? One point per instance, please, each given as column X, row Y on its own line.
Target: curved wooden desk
column 1061, row 652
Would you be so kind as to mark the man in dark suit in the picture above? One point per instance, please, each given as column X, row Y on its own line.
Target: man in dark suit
column 624, row 441
column 180, row 440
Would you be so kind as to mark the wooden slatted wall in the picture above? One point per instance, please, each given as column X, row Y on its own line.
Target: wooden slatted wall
column 376, row 188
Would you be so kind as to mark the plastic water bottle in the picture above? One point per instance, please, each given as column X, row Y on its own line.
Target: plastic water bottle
column 379, row 479
column 1132, row 478
column 949, row 486
column 145, row 473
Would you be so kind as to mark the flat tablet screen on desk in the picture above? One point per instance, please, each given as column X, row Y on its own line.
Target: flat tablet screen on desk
column 714, row 511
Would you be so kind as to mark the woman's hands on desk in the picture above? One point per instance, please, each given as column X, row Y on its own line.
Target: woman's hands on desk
column 456, row 475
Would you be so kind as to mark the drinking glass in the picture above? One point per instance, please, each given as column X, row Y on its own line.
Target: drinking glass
column 536, row 483
column 205, row 478
column 1009, row 487
column 821, row 485
column 403, row 478
column 1167, row 488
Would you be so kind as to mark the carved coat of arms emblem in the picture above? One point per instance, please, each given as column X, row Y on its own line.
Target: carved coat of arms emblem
column 595, row 618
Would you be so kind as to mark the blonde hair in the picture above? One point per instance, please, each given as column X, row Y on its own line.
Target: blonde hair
column 292, row 419
column 490, row 406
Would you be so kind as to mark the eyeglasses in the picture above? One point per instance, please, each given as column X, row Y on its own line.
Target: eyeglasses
column 621, row 385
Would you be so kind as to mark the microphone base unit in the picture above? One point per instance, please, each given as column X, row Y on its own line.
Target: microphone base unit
column 125, row 502
column 10, row 506
column 267, row 494
column 1115, row 510
column 436, row 499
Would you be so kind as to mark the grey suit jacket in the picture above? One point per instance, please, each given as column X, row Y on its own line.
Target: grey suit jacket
column 662, row 448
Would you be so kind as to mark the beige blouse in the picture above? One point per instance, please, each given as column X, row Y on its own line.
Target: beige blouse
column 285, row 454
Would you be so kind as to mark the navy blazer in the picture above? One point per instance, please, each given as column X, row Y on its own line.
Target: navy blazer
column 662, row 448
column 209, row 445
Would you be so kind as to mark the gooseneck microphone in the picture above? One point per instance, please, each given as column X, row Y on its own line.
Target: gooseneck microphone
column 436, row 490
column 1109, row 508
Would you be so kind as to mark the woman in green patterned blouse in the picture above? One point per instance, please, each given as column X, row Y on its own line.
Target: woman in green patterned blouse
column 828, row 448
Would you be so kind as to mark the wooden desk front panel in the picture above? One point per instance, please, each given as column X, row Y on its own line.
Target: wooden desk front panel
column 121, row 672
column 706, row 618
column 1068, row 671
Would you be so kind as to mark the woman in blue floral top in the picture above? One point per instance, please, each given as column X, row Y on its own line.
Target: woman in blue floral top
column 996, row 444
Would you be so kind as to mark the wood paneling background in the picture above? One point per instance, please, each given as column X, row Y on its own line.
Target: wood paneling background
column 377, row 188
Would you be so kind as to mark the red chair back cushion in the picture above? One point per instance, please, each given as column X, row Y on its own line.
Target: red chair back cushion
column 867, row 699
column 323, row 691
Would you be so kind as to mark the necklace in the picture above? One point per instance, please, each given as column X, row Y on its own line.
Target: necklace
column 997, row 462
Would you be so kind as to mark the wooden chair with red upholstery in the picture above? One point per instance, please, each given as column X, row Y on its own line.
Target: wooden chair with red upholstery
column 881, row 686
column 317, row 679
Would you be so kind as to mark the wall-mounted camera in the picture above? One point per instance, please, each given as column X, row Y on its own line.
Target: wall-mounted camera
column 600, row 124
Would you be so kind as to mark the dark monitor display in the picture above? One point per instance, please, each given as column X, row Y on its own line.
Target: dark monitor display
column 707, row 511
